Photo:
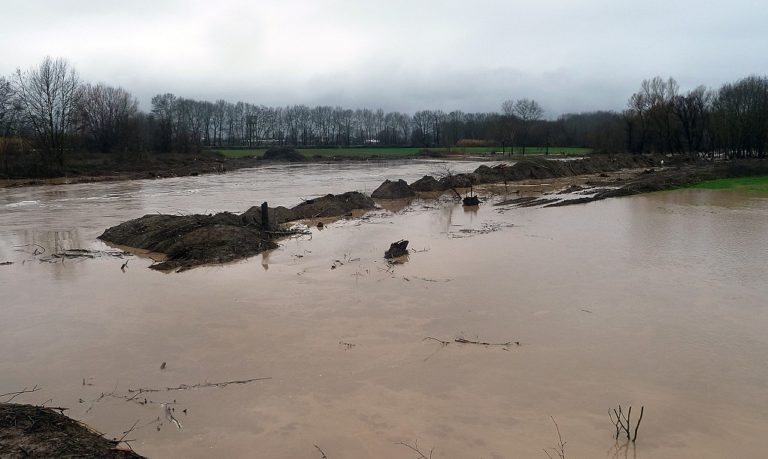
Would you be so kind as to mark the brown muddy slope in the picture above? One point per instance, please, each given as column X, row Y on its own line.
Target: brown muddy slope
column 33, row 431
column 666, row 179
column 193, row 240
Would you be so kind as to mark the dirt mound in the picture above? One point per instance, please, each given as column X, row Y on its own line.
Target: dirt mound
column 333, row 205
column 193, row 240
column 427, row 184
column 277, row 216
column 393, row 190
column 675, row 178
column 460, row 181
column 289, row 154
column 33, row 431
column 539, row 168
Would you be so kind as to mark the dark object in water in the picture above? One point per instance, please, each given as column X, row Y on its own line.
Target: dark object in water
column 397, row 249
column 471, row 201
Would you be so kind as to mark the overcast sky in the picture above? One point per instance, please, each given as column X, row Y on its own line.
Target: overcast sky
column 570, row 55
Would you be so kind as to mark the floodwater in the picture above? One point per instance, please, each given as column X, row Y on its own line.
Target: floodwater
column 656, row 300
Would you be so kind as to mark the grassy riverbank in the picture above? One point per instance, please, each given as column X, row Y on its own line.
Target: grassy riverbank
column 757, row 184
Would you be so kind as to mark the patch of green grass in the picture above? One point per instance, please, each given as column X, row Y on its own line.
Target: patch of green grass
column 757, row 184
column 401, row 152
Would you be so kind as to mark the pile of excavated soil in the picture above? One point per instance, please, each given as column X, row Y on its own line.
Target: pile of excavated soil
column 193, row 240
column 539, row 168
column 427, row 184
column 393, row 190
column 289, row 154
column 33, row 431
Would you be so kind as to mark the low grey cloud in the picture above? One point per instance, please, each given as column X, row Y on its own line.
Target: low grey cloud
column 397, row 55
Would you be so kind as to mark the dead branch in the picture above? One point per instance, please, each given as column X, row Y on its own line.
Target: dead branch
column 20, row 392
column 102, row 396
column 559, row 450
column 482, row 343
column 637, row 426
column 443, row 343
column 169, row 415
column 125, row 434
column 196, row 386
column 321, row 452
column 415, row 449
column 85, row 253
column 623, row 422
column 39, row 249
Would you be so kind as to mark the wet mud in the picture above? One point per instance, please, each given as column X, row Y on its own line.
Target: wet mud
column 194, row 240
column 35, row 431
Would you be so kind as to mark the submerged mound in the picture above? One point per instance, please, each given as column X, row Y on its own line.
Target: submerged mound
column 427, row 184
column 193, row 240
column 289, row 154
column 460, row 181
column 33, row 431
column 332, row 205
column 393, row 190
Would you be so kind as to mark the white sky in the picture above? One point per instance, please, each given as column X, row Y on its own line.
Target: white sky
column 570, row 55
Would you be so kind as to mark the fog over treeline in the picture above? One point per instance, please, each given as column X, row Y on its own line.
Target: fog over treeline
column 47, row 110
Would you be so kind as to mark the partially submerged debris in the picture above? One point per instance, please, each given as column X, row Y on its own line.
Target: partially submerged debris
column 471, row 201
column 84, row 253
column 34, row 431
column 460, row 340
column 397, row 249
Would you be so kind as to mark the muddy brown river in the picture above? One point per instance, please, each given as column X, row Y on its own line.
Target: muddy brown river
column 659, row 300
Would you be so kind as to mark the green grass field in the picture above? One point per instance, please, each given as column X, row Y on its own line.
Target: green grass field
column 400, row 152
column 752, row 184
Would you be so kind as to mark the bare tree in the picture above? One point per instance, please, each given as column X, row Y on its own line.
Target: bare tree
column 48, row 94
column 529, row 111
column 7, row 107
column 9, row 114
column 104, row 112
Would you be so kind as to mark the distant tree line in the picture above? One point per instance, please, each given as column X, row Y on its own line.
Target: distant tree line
column 49, row 111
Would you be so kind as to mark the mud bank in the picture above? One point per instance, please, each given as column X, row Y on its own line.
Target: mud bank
column 33, row 431
column 524, row 169
column 612, row 176
column 87, row 168
column 192, row 240
column 651, row 180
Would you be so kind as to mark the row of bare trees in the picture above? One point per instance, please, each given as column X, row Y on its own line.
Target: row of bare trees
column 49, row 111
column 731, row 121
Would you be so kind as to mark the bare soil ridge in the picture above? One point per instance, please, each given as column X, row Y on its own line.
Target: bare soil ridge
column 34, row 431
column 194, row 240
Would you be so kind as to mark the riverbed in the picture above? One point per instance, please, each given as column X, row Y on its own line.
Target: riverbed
column 657, row 300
